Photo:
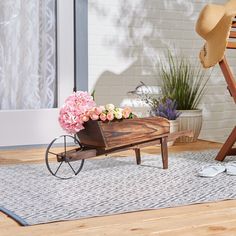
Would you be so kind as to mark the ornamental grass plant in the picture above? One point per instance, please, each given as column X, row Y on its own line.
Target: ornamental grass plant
column 183, row 81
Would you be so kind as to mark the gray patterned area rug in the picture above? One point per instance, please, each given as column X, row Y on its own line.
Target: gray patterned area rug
column 30, row 195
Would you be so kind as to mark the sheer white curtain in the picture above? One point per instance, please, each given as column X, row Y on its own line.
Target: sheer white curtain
column 27, row 54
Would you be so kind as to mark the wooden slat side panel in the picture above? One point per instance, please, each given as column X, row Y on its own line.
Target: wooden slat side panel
column 231, row 45
column 130, row 131
column 233, row 24
column 91, row 135
column 232, row 34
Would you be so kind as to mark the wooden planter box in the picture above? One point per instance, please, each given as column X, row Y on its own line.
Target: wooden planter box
column 118, row 133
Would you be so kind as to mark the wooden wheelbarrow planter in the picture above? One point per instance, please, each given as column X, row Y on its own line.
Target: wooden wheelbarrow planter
column 102, row 138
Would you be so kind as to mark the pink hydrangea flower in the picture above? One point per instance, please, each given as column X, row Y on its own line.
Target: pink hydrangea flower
column 75, row 110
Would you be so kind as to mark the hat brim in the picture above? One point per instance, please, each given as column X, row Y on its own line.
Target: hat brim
column 216, row 41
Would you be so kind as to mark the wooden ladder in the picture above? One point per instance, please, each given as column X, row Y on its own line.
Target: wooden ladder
column 227, row 148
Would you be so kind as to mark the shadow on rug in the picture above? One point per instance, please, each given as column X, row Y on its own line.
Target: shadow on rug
column 30, row 195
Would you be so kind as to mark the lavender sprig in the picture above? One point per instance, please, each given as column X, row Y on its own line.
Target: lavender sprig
column 167, row 109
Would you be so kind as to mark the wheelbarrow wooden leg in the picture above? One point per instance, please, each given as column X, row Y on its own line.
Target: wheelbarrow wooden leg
column 227, row 149
column 138, row 156
column 164, row 152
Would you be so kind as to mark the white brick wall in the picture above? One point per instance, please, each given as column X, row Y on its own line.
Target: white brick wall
column 126, row 37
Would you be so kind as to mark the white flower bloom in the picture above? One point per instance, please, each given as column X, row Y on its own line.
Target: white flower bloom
column 118, row 114
column 110, row 107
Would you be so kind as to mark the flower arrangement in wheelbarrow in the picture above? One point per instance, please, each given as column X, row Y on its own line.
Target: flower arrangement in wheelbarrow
column 80, row 107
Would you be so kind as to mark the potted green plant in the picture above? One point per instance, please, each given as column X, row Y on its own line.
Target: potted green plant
column 185, row 83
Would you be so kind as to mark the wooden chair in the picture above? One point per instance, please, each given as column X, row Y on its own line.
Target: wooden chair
column 227, row 148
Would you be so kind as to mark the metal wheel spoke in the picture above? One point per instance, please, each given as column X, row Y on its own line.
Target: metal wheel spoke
column 56, row 154
column 71, row 167
column 65, row 144
column 58, row 168
column 53, row 153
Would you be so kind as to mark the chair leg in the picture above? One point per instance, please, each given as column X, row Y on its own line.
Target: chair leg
column 164, row 152
column 227, row 149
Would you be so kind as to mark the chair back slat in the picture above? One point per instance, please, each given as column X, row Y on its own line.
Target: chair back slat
column 231, row 45
column 233, row 24
column 232, row 34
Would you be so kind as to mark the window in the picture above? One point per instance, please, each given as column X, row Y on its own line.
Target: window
column 28, row 54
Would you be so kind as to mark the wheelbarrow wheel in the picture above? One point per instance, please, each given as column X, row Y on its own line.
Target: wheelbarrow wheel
column 59, row 159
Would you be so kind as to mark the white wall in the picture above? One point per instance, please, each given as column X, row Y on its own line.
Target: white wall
column 127, row 36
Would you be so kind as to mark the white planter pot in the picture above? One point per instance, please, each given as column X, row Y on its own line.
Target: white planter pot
column 174, row 127
column 190, row 120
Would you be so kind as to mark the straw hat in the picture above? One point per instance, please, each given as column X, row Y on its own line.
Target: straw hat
column 214, row 25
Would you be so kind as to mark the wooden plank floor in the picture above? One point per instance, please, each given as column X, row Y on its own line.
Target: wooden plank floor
column 201, row 219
